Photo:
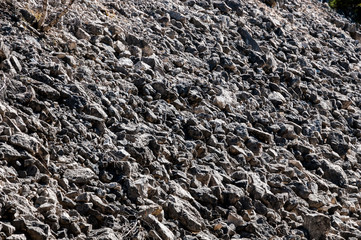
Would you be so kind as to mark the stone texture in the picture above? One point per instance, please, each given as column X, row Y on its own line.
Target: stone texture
column 179, row 120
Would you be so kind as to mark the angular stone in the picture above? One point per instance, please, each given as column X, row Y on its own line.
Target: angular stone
column 4, row 51
column 16, row 64
column 331, row 72
column 317, row 225
column 334, row 173
column 26, row 142
column 36, row 233
column 185, row 213
column 95, row 29
column 276, row 98
column 9, row 153
column 17, row 237
column 125, row 62
column 47, row 92
column 177, row 16
column 266, row 137
column 161, row 229
column 119, row 47
column 338, row 143
column 120, row 155
column 8, row 229
column 105, row 234
column 80, row 175
column 81, row 34
column 223, row 7
column 248, row 39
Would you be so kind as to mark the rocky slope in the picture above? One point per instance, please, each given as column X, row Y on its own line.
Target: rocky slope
column 197, row 119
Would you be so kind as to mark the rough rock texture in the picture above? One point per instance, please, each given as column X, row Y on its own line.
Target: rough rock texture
column 184, row 119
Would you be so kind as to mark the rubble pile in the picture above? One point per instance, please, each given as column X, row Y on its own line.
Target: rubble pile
column 182, row 119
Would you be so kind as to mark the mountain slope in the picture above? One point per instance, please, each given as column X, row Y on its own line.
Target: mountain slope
column 192, row 119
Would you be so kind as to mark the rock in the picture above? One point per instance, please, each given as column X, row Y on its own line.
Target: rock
column 271, row 3
column 95, row 29
column 233, row 194
column 26, row 142
column 161, row 229
column 266, row 137
column 271, row 64
column 121, row 155
column 334, row 173
column 47, row 92
column 9, row 153
column 331, row 72
column 220, row 102
column 80, row 175
column 317, row 225
column 177, row 16
column 125, row 63
column 223, row 7
column 204, row 195
column 191, row 119
column 276, row 98
column 337, row 142
column 198, row 23
column 15, row 63
column 105, row 234
column 248, row 39
column 119, row 47
column 185, row 213
column 82, row 34
column 38, row 232
column 4, row 51
column 8, row 229
column 17, row 237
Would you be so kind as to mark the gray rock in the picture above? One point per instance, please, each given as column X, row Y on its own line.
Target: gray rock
column 17, row 237
column 248, row 39
column 26, row 142
column 317, row 225
column 223, row 7
column 266, row 137
column 185, row 213
column 121, row 155
column 105, row 234
column 82, row 34
column 331, row 72
column 95, row 29
column 9, row 153
column 334, row 173
column 338, row 143
column 80, row 175
column 4, row 51
column 15, row 63
column 160, row 228
column 177, row 16
column 47, row 92
column 38, row 231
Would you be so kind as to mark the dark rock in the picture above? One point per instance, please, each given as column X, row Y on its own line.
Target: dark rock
column 4, row 51
column 317, row 225
column 185, row 213
column 334, row 173
column 161, row 229
column 248, row 39
column 338, row 143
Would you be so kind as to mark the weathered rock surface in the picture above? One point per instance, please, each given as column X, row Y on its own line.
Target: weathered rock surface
column 180, row 119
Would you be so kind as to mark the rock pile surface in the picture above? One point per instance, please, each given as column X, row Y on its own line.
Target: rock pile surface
column 182, row 119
